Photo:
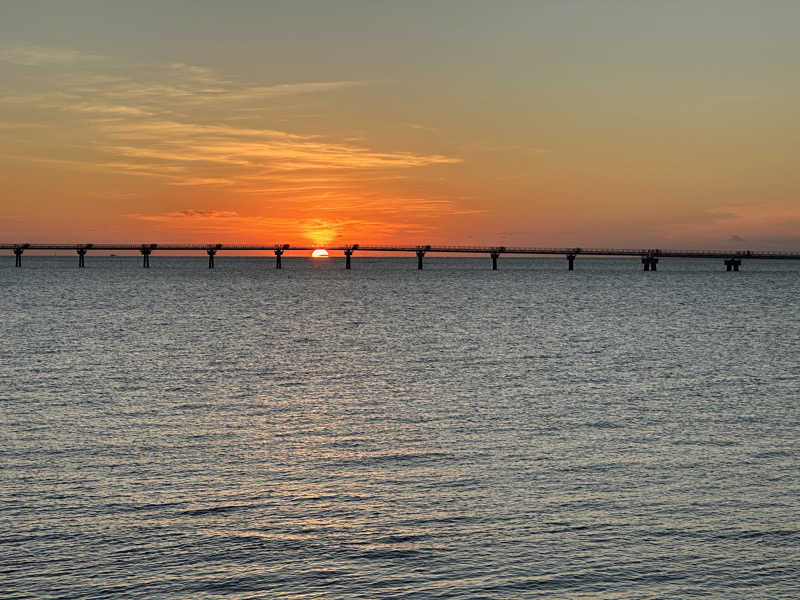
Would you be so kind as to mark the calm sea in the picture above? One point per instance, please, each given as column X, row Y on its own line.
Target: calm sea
column 384, row 432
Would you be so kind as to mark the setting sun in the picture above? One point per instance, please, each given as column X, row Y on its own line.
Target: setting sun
column 319, row 253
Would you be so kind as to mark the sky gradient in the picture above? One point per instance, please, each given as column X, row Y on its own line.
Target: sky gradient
column 627, row 124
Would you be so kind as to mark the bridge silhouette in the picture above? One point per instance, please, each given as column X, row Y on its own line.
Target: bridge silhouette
column 649, row 256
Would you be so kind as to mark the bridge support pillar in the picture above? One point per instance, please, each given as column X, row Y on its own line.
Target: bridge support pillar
column 495, row 256
column 733, row 264
column 146, row 257
column 420, row 256
column 81, row 257
column 18, row 257
column 278, row 254
column 650, row 263
column 571, row 262
column 211, row 252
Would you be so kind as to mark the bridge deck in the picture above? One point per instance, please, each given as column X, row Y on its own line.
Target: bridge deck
column 667, row 253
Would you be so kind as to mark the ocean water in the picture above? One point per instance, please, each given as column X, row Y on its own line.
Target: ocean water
column 244, row 432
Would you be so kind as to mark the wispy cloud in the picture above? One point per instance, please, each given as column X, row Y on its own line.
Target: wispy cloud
column 419, row 127
column 286, row 89
column 97, row 108
column 250, row 150
column 153, row 86
column 156, row 120
column 194, row 72
column 29, row 55
column 144, row 168
column 190, row 181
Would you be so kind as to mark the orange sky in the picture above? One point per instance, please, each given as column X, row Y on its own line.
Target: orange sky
column 517, row 123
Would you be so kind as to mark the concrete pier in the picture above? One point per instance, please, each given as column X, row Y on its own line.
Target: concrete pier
column 733, row 264
column 571, row 262
column 420, row 255
column 495, row 254
column 146, row 252
column 650, row 263
column 348, row 252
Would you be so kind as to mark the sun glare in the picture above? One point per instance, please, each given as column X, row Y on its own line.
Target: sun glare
column 319, row 253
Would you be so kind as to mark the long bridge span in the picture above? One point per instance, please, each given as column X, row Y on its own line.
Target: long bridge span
column 649, row 256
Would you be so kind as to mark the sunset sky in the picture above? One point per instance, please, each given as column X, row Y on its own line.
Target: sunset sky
column 628, row 124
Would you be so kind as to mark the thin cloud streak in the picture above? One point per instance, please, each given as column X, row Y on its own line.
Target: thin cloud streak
column 174, row 141
column 133, row 123
column 35, row 56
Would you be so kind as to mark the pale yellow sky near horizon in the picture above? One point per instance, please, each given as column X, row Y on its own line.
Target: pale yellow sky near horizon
column 641, row 124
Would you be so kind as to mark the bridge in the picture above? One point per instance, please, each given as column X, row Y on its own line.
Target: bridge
column 649, row 256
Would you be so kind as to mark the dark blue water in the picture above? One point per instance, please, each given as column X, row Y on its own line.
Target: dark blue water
column 382, row 432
